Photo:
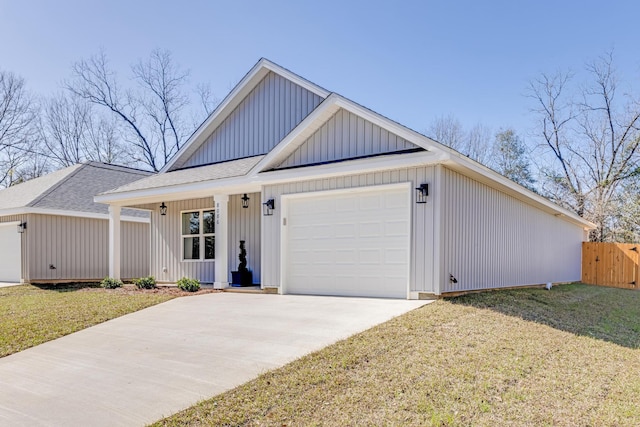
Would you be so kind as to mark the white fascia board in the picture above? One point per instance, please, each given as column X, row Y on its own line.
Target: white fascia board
column 180, row 192
column 235, row 97
column 75, row 214
column 306, row 84
column 491, row 178
column 352, row 167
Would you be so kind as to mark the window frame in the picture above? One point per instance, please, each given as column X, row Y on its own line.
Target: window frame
column 201, row 234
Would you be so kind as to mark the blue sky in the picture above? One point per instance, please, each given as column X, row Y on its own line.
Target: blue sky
column 409, row 60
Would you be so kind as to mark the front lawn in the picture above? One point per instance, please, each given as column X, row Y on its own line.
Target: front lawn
column 31, row 315
column 565, row 357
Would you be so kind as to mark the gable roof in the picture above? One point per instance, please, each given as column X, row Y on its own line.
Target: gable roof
column 69, row 190
column 252, row 176
column 250, row 81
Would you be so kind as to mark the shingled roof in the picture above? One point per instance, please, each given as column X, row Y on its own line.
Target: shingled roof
column 70, row 189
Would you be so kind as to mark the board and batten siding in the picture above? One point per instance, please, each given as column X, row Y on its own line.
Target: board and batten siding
column 244, row 224
column 345, row 136
column 492, row 240
column 74, row 248
column 270, row 111
column 166, row 239
column 24, row 255
column 420, row 275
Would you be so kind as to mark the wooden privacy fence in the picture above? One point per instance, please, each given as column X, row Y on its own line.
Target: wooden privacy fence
column 611, row 264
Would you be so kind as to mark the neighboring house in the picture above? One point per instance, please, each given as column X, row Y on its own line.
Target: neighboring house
column 51, row 230
column 334, row 198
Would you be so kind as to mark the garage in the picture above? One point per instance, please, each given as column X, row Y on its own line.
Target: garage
column 10, row 249
column 348, row 243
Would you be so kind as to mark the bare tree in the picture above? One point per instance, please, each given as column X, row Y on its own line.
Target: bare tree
column 162, row 99
column 449, row 131
column 62, row 129
column 72, row 132
column 478, row 144
column 591, row 139
column 151, row 113
column 16, row 119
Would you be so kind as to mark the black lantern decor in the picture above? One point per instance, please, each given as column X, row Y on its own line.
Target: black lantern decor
column 421, row 193
column 268, row 207
column 163, row 209
column 21, row 227
column 245, row 201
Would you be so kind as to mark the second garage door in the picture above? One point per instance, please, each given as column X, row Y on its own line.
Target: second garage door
column 348, row 243
column 10, row 261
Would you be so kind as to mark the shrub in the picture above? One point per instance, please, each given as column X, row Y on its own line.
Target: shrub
column 189, row 285
column 110, row 283
column 145, row 282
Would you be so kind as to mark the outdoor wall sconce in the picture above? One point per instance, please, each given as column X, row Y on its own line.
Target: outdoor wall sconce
column 268, row 207
column 21, row 227
column 163, row 209
column 421, row 193
column 245, row 201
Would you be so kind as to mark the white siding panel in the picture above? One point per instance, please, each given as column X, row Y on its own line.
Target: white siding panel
column 261, row 120
column 78, row 248
column 492, row 240
column 166, row 240
column 136, row 247
column 421, row 222
column 344, row 136
column 244, row 224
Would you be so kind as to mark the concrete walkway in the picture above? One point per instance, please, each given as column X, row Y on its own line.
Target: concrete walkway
column 7, row 284
column 138, row 368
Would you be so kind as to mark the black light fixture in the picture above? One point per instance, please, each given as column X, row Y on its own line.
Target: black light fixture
column 421, row 193
column 21, row 227
column 163, row 209
column 245, row 201
column 268, row 207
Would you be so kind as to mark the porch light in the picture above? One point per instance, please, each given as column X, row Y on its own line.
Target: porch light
column 268, row 207
column 21, row 227
column 245, row 201
column 421, row 193
column 163, row 209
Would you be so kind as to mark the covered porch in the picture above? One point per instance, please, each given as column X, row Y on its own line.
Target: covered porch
column 198, row 218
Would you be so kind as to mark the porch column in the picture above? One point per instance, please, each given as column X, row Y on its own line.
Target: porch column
column 114, row 241
column 221, row 202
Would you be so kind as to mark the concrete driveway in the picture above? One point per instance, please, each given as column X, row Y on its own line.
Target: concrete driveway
column 138, row 368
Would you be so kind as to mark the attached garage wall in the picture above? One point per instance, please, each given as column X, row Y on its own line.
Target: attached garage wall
column 421, row 272
column 492, row 240
column 78, row 248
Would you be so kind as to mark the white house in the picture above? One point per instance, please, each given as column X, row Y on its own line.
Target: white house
column 51, row 230
column 334, row 199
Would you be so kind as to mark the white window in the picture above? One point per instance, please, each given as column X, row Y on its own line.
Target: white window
column 198, row 235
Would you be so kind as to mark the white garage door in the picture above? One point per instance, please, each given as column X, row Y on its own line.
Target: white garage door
column 9, row 253
column 349, row 244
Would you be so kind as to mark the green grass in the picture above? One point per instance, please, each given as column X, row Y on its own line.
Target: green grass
column 31, row 315
column 565, row 357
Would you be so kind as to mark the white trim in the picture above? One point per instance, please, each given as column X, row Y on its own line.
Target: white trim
column 284, row 202
column 76, row 214
column 235, row 97
column 115, row 251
